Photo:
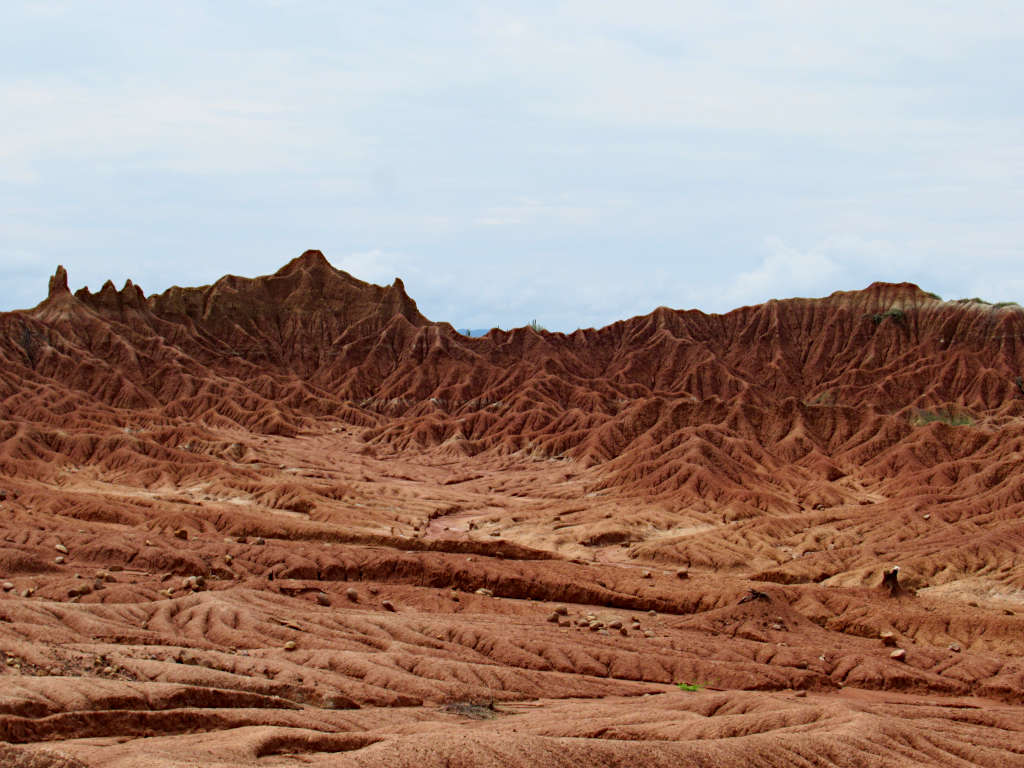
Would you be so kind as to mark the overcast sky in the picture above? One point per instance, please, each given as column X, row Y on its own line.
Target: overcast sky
column 576, row 162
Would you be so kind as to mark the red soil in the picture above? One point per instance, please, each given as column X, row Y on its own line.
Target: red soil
column 194, row 481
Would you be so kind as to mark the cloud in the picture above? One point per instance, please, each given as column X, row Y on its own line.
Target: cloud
column 573, row 161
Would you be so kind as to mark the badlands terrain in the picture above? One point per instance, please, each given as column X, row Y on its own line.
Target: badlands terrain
column 290, row 521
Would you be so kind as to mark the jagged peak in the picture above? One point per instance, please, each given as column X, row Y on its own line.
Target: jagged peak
column 311, row 259
column 59, row 283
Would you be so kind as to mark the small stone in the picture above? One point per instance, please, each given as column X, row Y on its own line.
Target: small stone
column 387, row 605
column 290, row 645
column 652, row 613
column 777, row 627
column 8, row 586
column 888, row 638
column 898, row 655
column 323, row 599
column 927, row 517
column 623, row 631
column 116, row 568
column 635, row 625
column 954, row 647
column 108, row 670
column 62, row 549
column 648, row 633
column 647, row 575
column 485, row 592
column 260, row 541
column 595, row 625
column 682, row 573
column 228, row 559
column 553, row 618
column 615, row 624
column 561, row 610
column 372, row 590
column 582, row 622
column 352, row 595
column 801, row 694
column 181, row 533
column 564, row 623
column 59, row 559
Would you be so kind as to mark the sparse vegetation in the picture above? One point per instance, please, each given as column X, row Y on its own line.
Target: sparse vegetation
column 933, row 295
column 537, row 326
column 825, row 398
column 950, row 416
column 897, row 315
column 691, row 687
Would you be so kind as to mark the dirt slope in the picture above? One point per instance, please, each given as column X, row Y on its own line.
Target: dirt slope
column 290, row 521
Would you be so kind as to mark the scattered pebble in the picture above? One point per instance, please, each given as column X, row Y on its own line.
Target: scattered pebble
column 652, row 613
column 352, row 595
column 181, row 533
column 647, row 575
column 260, row 541
column 954, row 647
column 228, row 559
column 648, row 633
column 290, row 645
column 323, row 599
column 8, row 586
column 485, row 592
column 387, row 605
column 561, row 610
column 682, row 573
column 615, row 624
column 59, row 559
column 888, row 638
column 898, row 655
column 553, row 618
column 62, row 549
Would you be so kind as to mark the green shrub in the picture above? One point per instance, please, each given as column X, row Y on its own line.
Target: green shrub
column 953, row 418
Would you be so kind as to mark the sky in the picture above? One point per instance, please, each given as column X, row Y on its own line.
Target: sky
column 573, row 162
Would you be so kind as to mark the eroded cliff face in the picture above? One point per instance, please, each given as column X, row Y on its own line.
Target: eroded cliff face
column 797, row 448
